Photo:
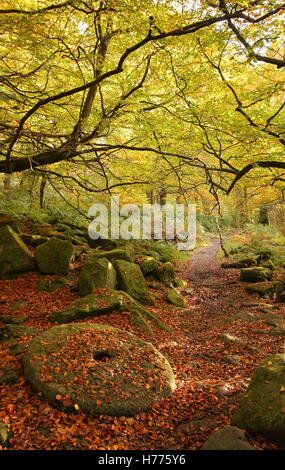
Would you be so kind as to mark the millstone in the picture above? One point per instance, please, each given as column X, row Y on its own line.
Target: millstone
column 97, row 369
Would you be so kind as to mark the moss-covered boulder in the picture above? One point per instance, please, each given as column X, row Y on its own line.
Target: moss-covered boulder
column 54, row 283
column 113, row 255
column 97, row 369
column 257, row 274
column 105, row 244
column 4, row 434
column 33, row 240
column 98, row 303
column 269, row 289
column 240, row 263
column 262, row 408
column 173, row 297
column 104, row 301
column 148, row 264
column 53, row 257
column 15, row 258
column 228, row 438
column 165, row 273
column 95, row 274
column 131, row 279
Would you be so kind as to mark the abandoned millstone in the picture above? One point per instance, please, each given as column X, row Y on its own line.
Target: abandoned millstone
column 15, row 258
column 262, row 408
column 53, row 257
column 97, row 369
column 131, row 279
column 256, row 274
column 95, row 274
column 228, row 438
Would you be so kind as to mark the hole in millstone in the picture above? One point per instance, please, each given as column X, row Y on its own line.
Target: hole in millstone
column 103, row 355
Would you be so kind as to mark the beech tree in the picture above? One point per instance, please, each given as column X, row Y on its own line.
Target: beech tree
column 103, row 94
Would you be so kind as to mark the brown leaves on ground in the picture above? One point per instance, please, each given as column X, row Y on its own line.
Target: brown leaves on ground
column 208, row 389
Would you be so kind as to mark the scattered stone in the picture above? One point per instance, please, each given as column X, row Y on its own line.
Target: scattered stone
column 95, row 274
column 173, row 297
column 273, row 320
column 190, row 313
column 227, row 438
column 243, row 263
column 231, row 359
column 189, row 426
column 50, row 285
column 113, row 255
column 131, row 279
column 148, row 264
column 262, row 408
column 227, row 338
column 13, row 320
column 33, row 240
column 104, row 243
column 53, row 257
column 9, row 377
column 15, row 258
column 120, row 374
column 106, row 301
column 266, row 289
column 277, row 332
column 177, row 282
column 165, row 274
column 4, row 434
column 97, row 303
column 257, row 274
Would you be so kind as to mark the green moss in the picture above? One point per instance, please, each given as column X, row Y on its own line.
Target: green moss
column 113, row 255
column 134, row 376
column 53, row 257
column 256, row 274
column 175, row 298
column 266, row 289
column 95, row 274
column 164, row 273
column 15, row 258
column 131, row 279
column 99, row 303
column 261, row 410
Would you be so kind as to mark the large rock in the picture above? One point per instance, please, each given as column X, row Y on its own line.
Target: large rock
column 113, row 254
column 33, row 240
column 53, row 257
column 131, row 279
column 269, row 289
column 175, row 298
column 257, row 274
column 15, row 258
column 228, row 438
column 262, row 408
column 148, row 264
column 97, row 369
column 97, row 303
column 95, row 274
column 165, row 273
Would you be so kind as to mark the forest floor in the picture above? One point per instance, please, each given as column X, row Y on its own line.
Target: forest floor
column 208, row 389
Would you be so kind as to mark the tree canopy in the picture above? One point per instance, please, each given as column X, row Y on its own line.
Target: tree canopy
column 104, row 94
